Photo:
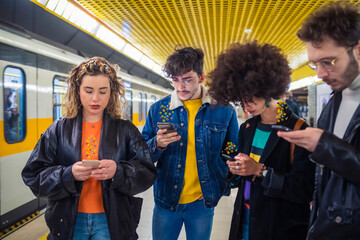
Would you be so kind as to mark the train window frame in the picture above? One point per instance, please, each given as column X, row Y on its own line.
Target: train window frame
column 19, row 107
column 145, row 107
column 128, row 112
column 56, row 105
column 140, row 106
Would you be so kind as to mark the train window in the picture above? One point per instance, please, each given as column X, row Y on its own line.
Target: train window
column 152, row 99
column 14, row 105
column 141, row 107
column 59, row 91
column 129, row 104
column 145, row 107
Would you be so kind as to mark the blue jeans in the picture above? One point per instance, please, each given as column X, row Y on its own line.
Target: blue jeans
column 196, row 217
column 91, row 226
column 245, row 223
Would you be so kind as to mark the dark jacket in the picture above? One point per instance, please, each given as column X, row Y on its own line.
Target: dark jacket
column 338, row 163
column 48, row 174
column 279, row 202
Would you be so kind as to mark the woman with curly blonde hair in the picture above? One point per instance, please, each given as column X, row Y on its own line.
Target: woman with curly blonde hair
column 89, row 164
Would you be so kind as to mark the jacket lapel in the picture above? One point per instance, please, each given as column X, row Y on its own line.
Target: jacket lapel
column 270, row 145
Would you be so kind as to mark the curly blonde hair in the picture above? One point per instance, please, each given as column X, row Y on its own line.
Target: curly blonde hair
column 93, row 67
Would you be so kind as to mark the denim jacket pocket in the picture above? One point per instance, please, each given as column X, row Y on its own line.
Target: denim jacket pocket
column 216, row 133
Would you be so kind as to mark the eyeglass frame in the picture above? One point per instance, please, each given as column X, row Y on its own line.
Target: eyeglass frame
column 186, row 81
column 326, row 63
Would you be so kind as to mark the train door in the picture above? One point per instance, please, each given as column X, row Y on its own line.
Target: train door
column 18, row 131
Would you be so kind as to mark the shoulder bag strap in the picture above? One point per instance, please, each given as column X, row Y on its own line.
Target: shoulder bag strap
column 297, row 126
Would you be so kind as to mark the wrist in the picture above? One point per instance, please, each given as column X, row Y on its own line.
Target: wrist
column 263, row 171
column 157, row 145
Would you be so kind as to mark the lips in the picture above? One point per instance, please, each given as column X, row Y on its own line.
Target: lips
column 95, row 107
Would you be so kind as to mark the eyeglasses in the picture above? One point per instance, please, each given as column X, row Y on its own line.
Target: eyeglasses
column 328, row 63
column 187, row 81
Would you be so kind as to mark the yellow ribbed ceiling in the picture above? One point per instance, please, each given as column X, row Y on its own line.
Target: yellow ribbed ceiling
column 157, row 26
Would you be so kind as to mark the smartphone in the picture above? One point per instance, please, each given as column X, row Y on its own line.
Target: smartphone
column 90, row 163
column 281, row 128
column 227, row 157
column 166, row 125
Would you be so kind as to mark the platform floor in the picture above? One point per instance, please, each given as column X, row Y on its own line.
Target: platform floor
column 37, row 229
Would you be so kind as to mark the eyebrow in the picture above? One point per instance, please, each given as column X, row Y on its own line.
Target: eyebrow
column 102, row 88
column 184, row 77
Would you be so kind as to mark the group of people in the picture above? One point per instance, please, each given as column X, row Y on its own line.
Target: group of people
column 281, row 176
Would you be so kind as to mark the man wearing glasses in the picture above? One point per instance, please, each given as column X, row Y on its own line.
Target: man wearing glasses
column 332, row 36
column 191, row 174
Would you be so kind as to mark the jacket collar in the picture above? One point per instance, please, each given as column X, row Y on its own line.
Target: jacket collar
column 176, row 102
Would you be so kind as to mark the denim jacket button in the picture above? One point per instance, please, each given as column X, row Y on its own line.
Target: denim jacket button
column 175, row 186
column 181, row 144
column 179, row 165
column 61, row 220
column 181, row 124
column 181, row 110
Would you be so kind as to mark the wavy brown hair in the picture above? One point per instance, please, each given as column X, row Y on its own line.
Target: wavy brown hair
column 249, row 70
column 184, row 60
column 338, row 20
column 93, row 67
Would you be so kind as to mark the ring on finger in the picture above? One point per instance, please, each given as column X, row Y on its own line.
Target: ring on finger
column 237, row 167
column 106, row 176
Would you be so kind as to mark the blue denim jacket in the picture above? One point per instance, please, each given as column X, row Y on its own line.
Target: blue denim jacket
column 216, row 131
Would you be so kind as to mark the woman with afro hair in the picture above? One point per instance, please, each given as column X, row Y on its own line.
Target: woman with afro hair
column 275, row 184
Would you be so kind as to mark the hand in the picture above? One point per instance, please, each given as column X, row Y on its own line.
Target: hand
column 106, row 170
column 307, row 138
column 163, row 139
column 80, row 173
column 244, row 165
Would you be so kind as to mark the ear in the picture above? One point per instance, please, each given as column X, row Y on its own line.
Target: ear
column 202, row 77
column 356, row 51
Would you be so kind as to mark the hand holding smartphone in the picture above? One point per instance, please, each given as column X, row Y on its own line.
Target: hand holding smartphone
column 281, row 128
column 90, row 163
column 166, row 125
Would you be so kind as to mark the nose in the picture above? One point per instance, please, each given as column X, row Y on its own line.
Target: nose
column 182, row 85
column 321, row 72
column 95, row 97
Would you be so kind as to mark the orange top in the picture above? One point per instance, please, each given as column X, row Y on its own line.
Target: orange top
column 91, row 196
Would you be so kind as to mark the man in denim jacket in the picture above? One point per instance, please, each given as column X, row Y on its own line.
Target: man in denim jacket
column 191, row 174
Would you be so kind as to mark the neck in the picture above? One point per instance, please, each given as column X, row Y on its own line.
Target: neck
column 269, row 114
column 92, row 118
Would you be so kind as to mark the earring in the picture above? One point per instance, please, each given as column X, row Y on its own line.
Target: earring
column 267, row 104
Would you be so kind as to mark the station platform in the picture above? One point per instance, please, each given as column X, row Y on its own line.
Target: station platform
column 37, row 229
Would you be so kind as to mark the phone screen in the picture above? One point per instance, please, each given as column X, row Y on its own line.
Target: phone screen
column 166, row 125
column 90, row 163
column 281, row 128
column 227, row 157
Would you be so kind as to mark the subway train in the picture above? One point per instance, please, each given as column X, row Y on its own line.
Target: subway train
column 32, row 88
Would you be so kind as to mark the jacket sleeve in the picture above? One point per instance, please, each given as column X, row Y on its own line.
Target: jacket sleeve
column 235, row 180
column 149, row 134
column 43, row 173
column 137, row 173
column 231, row 143
column 342, row 157
column 296, row 185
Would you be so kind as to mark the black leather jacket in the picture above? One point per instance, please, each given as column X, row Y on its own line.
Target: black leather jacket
column 279, row 202
column 48, row 174
column 338, row 164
